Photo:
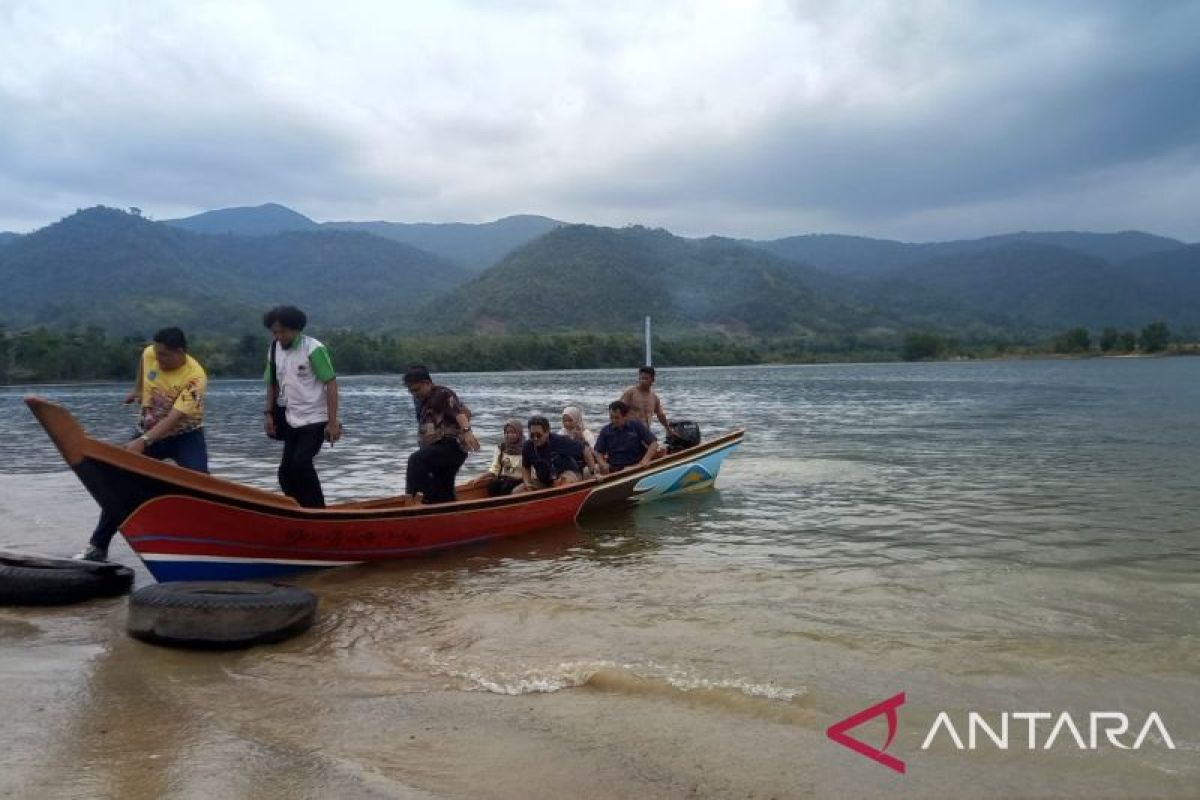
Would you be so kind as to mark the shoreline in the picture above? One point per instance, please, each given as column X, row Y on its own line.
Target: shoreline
column 1193, row 350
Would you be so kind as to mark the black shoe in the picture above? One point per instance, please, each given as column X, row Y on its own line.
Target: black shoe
column 92, row 553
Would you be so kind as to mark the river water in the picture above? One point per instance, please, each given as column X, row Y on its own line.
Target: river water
column 992, row 537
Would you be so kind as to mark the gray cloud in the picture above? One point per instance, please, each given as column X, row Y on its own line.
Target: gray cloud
column 920, row 120
column 1013, row 132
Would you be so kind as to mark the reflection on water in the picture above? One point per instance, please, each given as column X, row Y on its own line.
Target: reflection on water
column 991, row 536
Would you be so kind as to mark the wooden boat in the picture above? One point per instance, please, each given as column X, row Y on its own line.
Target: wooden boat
column 186, row 525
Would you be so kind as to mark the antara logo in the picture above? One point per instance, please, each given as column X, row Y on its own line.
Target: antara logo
column 1113, row 724
column 837, row 732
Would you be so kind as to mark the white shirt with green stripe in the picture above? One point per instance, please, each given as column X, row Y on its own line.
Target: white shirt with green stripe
column 302, row 369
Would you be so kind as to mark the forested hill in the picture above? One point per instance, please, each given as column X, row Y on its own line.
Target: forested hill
column 1037, row 287
column 1175, row 274
column 856, row 256
column 580, row 277
column 126, row 274
column 473, row 247
column 246, row 221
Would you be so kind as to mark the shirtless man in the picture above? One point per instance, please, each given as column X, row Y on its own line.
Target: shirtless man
column 643, row 401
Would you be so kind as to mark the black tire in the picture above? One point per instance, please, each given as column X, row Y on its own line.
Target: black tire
column 29, row 580
column 219, row 615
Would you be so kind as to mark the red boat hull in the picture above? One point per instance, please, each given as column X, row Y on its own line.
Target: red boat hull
column 182, row 538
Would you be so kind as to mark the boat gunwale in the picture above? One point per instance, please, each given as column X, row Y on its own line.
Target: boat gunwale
column 76, row 446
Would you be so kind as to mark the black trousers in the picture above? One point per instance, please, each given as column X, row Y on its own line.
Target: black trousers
column 297, row 475
column 185, row 449
column 431, row 470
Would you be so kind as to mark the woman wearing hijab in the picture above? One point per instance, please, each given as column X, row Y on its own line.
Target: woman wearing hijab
column 505, row 473
column 574, row 426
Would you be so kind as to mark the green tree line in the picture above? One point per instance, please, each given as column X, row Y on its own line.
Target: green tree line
column 40, row 355
column 1153, row 338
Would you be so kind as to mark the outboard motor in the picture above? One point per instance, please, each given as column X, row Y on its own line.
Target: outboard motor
column 682, row 435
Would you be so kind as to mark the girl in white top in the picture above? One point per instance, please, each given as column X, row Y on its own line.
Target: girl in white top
column 575, row 427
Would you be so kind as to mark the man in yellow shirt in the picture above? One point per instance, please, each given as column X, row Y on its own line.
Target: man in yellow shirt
column 170, row 387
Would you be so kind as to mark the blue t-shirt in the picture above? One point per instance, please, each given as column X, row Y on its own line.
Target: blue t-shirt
column 625, row 445
column 558, row 455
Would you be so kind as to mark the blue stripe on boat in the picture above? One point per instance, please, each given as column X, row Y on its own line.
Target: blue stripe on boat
column 295, row 552
column 166, row 571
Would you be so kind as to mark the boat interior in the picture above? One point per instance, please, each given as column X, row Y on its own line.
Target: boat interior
column 75, row 445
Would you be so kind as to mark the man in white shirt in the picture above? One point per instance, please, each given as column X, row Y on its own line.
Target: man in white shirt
column 300, row 376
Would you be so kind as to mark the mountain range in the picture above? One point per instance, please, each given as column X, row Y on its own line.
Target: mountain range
column 216, row 272
column 126, row 274
column 862, row 257
column 472, row 247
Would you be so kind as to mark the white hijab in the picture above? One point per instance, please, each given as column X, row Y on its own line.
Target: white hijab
column 582, row 432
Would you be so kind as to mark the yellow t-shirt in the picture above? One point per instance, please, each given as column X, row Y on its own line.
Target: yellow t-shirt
column 164, row 390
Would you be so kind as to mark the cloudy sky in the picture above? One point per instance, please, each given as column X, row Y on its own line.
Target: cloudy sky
column 913, row 120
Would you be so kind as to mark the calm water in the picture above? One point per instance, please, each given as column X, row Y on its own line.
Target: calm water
column 1006, row 536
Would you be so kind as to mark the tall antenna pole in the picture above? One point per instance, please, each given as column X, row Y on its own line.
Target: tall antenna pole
column 648, row 361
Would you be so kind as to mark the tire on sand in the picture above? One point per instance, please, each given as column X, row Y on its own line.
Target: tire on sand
column 219, row 614
column 31, row 580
